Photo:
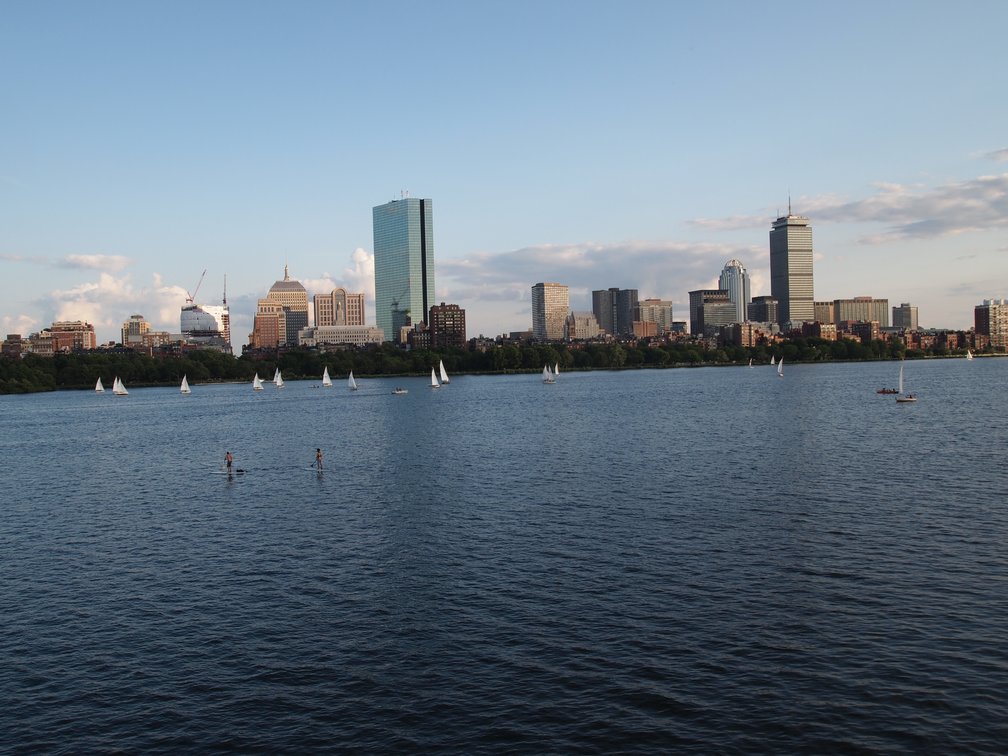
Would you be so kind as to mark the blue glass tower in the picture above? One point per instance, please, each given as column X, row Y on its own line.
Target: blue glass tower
column 404, row 263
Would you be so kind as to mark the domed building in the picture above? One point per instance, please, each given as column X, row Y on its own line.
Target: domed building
column 280, row 314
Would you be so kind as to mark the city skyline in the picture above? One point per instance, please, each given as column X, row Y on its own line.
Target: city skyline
column 647, row 165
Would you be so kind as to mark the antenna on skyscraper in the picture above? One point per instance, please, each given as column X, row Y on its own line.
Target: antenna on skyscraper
column 789, row 203
column 225, row 289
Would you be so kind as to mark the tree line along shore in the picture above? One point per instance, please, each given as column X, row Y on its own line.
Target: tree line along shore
column 80, row 370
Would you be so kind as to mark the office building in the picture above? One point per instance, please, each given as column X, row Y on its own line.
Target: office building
column 404, row 262
column 447, row 326
column 340, row 335
column 550, row 306
column 280, row 315
column 338, row 308
column 824, row 312
column 763, row 309
column 657, row 311
column 791, row 269
column 990, row 319
column 735, row 280
column 709, row 310
column 861, row 309
column 905, row 317
column 615, row 309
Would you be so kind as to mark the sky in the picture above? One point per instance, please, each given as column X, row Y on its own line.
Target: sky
column 598, row 144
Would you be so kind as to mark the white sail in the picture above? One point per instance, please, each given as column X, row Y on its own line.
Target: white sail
column 118, row 388
column 772, row 360
column 257, row 383
column 278, row 379
column 351, row 382
column 444, row 374
column 780, row 368
column 750, row 362
column 326, row 380
column 184, row 388
column 98, row 387
column 276, row 374
column 547, row 375
column 901, row 380
column 433, row 380
column 556, row 370
column 969, row 354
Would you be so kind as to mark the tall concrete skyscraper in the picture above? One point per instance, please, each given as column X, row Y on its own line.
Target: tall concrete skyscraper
column 791, row 268
column 735, row 281
column 404, row 263
column 550, row 306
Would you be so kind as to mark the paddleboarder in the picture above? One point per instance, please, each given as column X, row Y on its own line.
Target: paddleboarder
column 318, row 459
column 228, row 459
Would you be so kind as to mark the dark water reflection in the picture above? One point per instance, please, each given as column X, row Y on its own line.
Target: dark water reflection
column 710, row 559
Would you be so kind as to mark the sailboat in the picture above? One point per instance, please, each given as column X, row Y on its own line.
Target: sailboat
column 444, row 374
column 257, row 383
column 547, row 375
column 326, row 380
column 351, row 382
column 556, row 370
column 780, row 368
column 278, row 379
column 969, row 354
column 772, row 361
column 118, row 388
column 750, row 362
column 99, row 389
column 433, row 380
column 184, row 388
column 903, row 398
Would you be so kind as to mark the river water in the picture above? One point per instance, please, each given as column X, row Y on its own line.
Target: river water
column 712, row 559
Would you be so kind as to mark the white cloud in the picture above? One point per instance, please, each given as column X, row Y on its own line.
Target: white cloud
column 112, row 263
column 22, row 324
column 998, row 156
column 110, row 300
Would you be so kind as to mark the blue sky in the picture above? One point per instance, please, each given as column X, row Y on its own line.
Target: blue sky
column 639, row 145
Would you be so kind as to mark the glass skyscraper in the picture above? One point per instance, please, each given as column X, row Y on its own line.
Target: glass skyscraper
column 735, row 281
column 791, row 269
column 404, row 263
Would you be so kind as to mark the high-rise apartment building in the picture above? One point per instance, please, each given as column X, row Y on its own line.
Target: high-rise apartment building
column 991, row 319
column 791, row 269
column 338, row 308
column 550, row 305
column 658, row 311
column 447, row 326
column 614, row 310
column 404, row 263
column 134, row 329
column 905, row 317
column 72, row 336
column 709, row 310
column 735, row 280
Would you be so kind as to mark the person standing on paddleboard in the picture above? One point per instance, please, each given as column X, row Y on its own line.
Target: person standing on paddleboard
column 318, row 459
column 228, row 459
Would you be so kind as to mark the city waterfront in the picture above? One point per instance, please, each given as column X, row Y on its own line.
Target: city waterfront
column 710, row 559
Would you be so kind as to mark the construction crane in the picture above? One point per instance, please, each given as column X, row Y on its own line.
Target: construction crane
column 191, row 299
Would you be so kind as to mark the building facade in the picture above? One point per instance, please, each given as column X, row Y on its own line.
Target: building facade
column 763, row 309
column 735, row 280
column 550, row 306
column 657, row 311
column 709, row 310
column 404, row 262
column 582, row 326
column 447, row 326
column 990, row 319
column 339, row 307
column 72, row 336
column 864, row 309
column 280, row 315
column 905, row 317
column 133, row 330
column 340, row 335
column 615, row 309
column 791, row 269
